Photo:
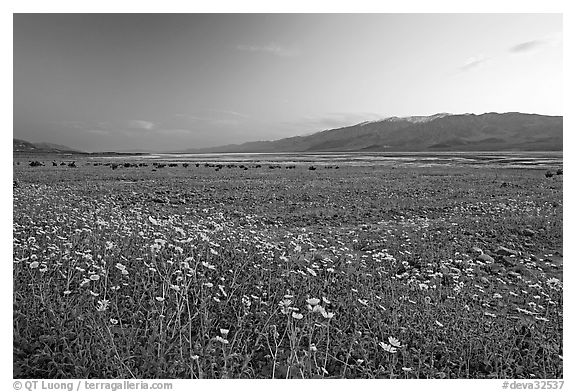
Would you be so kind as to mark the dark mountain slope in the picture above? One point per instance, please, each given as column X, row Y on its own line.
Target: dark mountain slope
column 441, row 132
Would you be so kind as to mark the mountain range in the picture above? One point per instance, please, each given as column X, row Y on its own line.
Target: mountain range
column 439, row 132
column 23, row 146
column 442, row 132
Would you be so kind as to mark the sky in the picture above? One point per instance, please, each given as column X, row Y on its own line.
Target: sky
column 170, row 82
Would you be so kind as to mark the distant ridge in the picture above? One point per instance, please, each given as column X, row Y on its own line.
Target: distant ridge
column 440, row 132
column 23, row 146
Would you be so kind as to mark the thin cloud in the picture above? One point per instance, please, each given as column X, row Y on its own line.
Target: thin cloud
column 528, row 46
column 473, row 63
column 532, row 46
column 536, row 44
column 272, row 48
column 141, row 124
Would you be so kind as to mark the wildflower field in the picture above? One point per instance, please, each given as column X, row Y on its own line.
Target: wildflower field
column 349, row 272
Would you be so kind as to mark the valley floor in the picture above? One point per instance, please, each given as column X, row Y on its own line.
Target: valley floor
column 348, row 272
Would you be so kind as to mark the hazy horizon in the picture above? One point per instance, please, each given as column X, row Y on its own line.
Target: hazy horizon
column 170, row 82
